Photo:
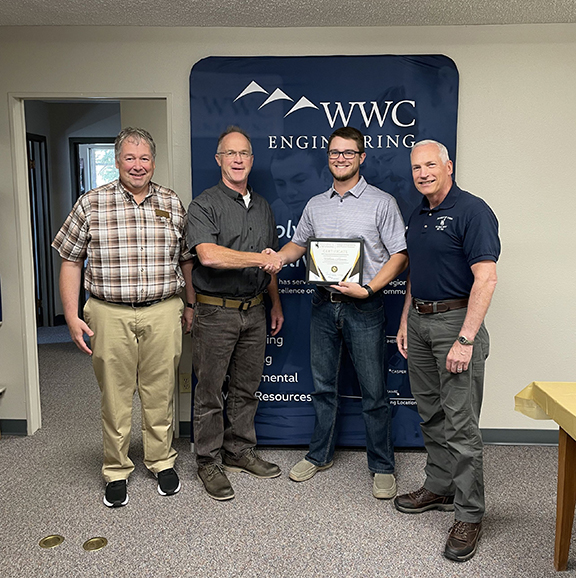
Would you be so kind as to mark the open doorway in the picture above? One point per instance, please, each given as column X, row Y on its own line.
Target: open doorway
column 60, row 125
column 57, row 120
column 79, row 136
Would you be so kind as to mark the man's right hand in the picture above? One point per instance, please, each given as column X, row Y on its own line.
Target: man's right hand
column 402, row 339
column 272, row 261
column 77, row 329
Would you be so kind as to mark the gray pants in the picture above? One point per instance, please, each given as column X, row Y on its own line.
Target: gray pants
column 449, row 405
column 233, row 342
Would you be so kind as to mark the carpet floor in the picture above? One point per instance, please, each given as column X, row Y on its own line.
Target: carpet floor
column 330, row 526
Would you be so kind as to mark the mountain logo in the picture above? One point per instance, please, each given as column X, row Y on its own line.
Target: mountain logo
column 374, row 111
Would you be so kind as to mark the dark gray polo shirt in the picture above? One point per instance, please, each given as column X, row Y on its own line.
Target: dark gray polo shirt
column 220, row 216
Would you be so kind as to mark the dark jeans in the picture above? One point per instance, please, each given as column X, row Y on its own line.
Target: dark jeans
column 449, row 404
column 361, row 326
column 226, row 340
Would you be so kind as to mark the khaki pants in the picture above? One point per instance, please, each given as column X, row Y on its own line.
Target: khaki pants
column 136, row 348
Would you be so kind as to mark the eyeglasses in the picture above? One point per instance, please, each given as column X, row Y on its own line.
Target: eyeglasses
column 232, row 154
column 348, row 155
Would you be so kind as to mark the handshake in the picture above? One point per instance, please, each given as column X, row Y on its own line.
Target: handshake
column 272, row 261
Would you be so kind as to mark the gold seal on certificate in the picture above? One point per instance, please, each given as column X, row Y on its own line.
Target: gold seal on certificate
column 333, row 260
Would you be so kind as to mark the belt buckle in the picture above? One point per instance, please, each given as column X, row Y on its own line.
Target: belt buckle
column 244, row 305
column 424, row 305
column 334, row 297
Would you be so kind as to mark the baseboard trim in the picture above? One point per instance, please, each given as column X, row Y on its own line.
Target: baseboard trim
column 512, row 437
column 13, row 427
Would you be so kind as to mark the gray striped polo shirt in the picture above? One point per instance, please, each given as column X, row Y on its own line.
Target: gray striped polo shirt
column 363, row 212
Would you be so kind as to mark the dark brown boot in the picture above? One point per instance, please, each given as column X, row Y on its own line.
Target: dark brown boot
column 463, row 540
column 422, row 500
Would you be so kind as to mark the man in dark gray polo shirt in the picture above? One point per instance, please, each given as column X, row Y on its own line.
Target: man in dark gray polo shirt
column 348, row 313
column 229, row 226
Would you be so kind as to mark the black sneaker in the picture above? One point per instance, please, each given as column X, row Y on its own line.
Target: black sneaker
column 116, row 495
column 168, row 482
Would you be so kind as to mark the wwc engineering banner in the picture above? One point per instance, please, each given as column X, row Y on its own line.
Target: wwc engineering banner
column 290, row 106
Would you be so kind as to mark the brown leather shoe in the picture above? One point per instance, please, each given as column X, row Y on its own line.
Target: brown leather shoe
column 215, row 481
column 251, row 463
column 463, row 541
column 422, row 500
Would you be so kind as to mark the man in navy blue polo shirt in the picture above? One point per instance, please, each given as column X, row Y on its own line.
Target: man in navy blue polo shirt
column 453, row 246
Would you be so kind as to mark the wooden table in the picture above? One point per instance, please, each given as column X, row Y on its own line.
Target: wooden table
column 557, row 400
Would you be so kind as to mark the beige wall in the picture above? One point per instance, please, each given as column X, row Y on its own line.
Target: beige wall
column 517, row 87
column 154, row 111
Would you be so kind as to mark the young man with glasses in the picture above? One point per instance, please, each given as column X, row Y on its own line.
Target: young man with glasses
column 229, row 226
column 348, row 313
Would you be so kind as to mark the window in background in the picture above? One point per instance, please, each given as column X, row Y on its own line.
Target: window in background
column 98, row 164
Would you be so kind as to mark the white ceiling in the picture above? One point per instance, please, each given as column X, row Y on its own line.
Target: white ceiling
column 283, row 13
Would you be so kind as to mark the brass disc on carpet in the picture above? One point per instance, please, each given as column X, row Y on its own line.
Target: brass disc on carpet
column 51, row 541
column 94, row 544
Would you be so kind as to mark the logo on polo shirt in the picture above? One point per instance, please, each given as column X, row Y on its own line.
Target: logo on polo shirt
column 442, row 224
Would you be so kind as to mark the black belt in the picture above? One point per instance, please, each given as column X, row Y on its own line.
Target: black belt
column 427, row 307
column 336, row 296
column 136, row 304
column 241, row 304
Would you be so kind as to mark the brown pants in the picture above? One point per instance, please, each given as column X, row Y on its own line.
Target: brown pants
column 136, row 348
column 226, row 341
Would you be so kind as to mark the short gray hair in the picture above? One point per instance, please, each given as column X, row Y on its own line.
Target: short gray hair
column 442, row 150
column 231, row 129
column 137, row 135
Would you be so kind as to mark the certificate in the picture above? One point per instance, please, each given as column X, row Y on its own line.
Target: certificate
column 333, row 260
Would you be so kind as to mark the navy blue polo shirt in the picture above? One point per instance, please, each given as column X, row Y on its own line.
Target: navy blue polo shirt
column 444, row 242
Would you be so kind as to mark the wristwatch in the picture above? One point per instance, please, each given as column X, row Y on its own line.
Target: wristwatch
column 369, row 289
column 191, row 305
column 464, row 340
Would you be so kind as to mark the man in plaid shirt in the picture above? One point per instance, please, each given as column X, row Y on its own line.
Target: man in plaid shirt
column 132, row 234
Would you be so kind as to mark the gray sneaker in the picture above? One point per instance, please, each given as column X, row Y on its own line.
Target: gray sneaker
column 384, row 487
column 252, row 464
column 304, row 470
column 215, row 481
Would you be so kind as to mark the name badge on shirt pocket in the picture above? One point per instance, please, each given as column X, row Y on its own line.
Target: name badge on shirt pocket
column 161, row 213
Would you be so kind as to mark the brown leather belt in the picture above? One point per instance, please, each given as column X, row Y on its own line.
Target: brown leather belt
column 241, row 304
column 427, row 307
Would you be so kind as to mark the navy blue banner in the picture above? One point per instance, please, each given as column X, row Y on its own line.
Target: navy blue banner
column 290, row 106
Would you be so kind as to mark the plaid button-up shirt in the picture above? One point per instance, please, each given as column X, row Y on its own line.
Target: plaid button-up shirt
column 133, row 250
